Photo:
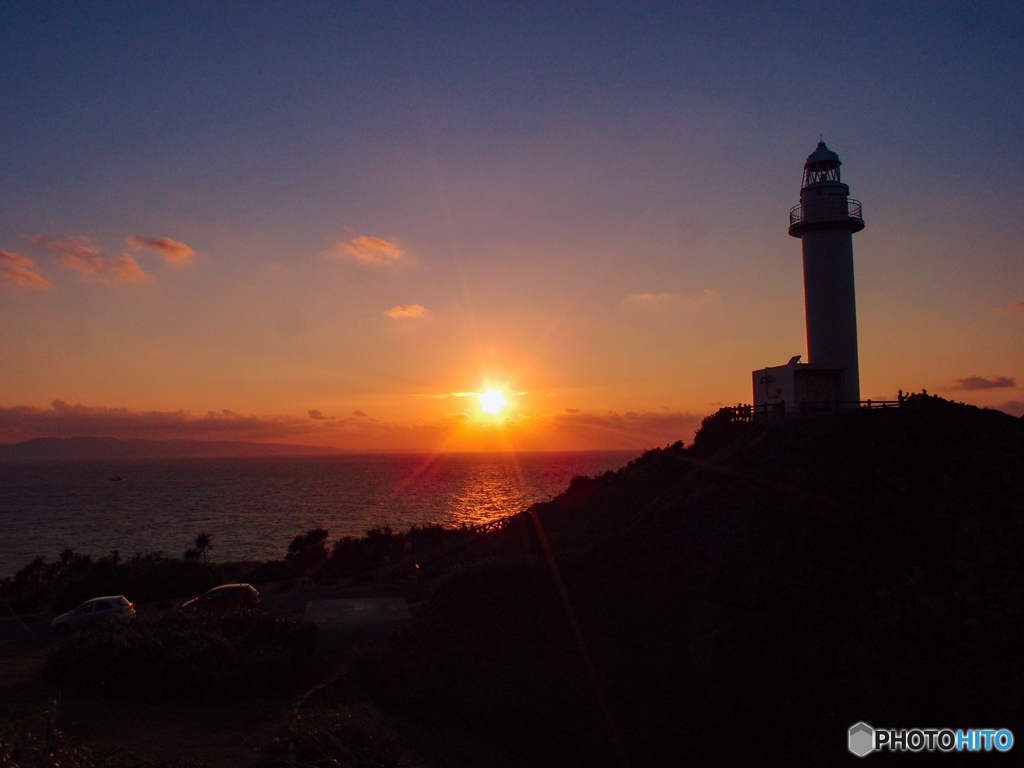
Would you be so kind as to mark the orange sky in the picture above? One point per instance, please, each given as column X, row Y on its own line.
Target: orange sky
column 325, row 239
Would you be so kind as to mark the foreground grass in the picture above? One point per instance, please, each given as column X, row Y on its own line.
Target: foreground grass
column 186, row 656
column 36, row 742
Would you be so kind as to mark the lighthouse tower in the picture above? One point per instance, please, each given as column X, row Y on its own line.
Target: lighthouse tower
column 825, row 221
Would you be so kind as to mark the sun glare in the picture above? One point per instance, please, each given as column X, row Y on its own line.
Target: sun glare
column 492, row 401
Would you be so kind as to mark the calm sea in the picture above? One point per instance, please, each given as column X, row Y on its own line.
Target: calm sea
column 253, row 507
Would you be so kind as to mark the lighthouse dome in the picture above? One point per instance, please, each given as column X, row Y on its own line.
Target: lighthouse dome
column 822, row 154
column 822, row 165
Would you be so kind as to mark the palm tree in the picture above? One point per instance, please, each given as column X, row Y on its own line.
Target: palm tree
column 203, row 544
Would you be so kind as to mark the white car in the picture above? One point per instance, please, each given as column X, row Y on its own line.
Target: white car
column 92, row 611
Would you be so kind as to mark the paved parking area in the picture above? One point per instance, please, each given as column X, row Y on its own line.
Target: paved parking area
column 357, row 611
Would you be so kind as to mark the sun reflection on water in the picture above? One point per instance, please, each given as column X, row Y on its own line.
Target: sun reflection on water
column 254, row 507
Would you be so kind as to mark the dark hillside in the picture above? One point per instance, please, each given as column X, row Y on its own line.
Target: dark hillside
column 744, row 599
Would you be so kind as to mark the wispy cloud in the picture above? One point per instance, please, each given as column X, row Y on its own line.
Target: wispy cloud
column 572, row 430
column 1013, row 308
column 980, row 382
column 319, row 416
column 706, row 298
column 648, row 299
column 62, row 419
column 89, row 267
column 15, row 258
column 125, row 270
column 75, row 246
column 99, row 269
column 174, row 253
column 80, row 255
column 407, row 312
column 17, row 271
column 375, row 251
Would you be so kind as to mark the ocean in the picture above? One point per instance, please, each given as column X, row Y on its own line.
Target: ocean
column 253, row 507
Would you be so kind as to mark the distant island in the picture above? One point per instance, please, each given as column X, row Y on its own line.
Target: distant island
column 113, row 448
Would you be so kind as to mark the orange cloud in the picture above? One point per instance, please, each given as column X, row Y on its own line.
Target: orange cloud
column 80, row 255
column 89, row 267
column 175, row 253
column 65, row 420
column 706, row 298
column 409, row 311
column 370, row 250
column 75, row 246
column 98, row 269
column 126, row 270
column 1013, row 308
column 647, row 299
column 15, row 258
column 16, row 272
column 560, row 431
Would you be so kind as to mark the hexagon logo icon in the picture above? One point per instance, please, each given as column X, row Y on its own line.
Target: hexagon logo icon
column 862, row 739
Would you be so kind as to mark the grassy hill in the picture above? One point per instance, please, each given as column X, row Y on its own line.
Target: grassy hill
column 747, row 598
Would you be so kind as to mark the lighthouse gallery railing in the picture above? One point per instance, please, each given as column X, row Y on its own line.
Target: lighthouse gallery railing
column 825, row 208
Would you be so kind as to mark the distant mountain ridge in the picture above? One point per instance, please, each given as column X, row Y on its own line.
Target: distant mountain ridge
column 114, row 448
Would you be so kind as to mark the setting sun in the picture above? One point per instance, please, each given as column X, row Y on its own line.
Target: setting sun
column 492, row 401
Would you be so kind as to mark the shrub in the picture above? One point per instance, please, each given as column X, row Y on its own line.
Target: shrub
column 186, row 656
column 307, row 550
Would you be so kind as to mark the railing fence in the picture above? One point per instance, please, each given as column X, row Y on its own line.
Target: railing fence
column 745, row 412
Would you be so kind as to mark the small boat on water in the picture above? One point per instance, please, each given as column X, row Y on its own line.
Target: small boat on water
column 115, row 479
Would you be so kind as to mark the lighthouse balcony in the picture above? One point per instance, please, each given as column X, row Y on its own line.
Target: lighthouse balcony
column 828, row 212
column 825, row 209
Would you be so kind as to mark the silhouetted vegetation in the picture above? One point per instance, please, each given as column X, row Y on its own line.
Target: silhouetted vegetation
column 382, row 547
column 203, row 544
column 307, row 550
column 73, row 578
column 773, row 584
column 186, row 655
column 36, row 741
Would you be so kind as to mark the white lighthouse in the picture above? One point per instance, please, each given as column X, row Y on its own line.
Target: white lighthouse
column 825, row 221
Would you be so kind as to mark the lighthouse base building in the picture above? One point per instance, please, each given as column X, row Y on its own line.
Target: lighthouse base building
column 825, row 221
column 795, row 385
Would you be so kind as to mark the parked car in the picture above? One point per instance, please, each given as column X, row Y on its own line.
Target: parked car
column 93, row 611
column 226, row 596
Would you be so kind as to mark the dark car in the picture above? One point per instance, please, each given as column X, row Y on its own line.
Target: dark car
column 93, row 611
column 226, row 596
